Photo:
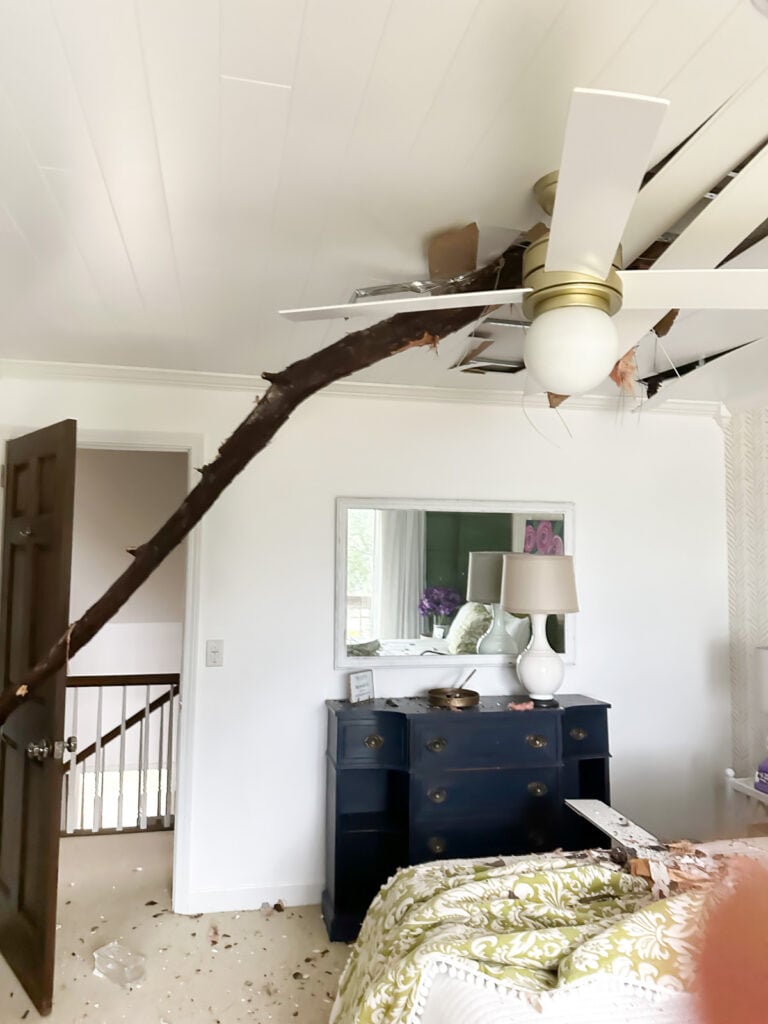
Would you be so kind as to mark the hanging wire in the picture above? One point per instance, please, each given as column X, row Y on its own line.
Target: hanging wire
column 667, row 356
column 527, row 390
column 564, row 422
column 532, row 424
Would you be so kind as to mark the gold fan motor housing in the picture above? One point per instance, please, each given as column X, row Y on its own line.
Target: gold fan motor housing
column 553, row 289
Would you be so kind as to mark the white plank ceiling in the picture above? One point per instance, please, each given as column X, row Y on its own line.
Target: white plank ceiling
column 174, row 171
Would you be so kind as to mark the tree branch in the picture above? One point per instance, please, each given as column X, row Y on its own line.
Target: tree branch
column 288, row 389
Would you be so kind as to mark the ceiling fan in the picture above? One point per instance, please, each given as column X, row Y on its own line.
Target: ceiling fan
column 572, row 281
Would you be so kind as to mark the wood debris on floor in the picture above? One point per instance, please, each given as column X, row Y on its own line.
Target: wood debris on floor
column 231, row 968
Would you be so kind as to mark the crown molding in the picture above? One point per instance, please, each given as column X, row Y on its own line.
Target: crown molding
column 31, row 369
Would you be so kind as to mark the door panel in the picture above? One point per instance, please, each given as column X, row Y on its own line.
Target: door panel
column 34, row 612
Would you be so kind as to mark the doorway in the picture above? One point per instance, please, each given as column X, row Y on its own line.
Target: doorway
column 37, row 540
column 123, row 688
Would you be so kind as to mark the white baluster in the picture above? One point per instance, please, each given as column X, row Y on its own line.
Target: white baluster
column 160, row 751
column 72, row 782
column 121, row 772
column 144, row 765
column 98, row 765
column 169, row 762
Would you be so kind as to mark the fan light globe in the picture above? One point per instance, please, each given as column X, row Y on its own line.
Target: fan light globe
column 571, row 350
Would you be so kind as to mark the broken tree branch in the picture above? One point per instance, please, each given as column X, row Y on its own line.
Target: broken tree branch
column 287, row 390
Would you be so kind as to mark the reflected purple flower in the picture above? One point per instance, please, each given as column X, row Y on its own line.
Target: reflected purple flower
column 530, row 539
column 440, row 601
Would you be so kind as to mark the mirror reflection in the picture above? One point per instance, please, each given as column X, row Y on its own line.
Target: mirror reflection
column 424, row 582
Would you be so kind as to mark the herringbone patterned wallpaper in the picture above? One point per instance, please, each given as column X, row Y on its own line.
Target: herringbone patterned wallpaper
column 747, row 502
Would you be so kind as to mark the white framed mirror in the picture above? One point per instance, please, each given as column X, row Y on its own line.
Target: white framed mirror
column 401, row 578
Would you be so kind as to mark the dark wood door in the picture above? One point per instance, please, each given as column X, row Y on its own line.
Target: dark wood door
column 34, row 612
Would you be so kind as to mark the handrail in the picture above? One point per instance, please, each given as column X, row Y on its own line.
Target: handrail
column 139, row 716
column 144, row 679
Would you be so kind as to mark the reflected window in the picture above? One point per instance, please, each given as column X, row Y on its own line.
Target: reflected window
column 361, row 546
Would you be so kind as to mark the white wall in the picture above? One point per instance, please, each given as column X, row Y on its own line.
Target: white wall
column 121, row 497
column 747, row 466
column 652, row 634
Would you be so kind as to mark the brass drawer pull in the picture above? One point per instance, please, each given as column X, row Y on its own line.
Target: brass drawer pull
column 437, row 745
column 437, row 796
column 436, row 844
column 577, row 733
column 374, row 741
column 536, row 741
column 537, row 789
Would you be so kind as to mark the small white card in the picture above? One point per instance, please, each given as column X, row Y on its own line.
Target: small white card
column 360, row 686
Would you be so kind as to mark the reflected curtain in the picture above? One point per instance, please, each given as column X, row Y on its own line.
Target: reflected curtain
column 399, row 572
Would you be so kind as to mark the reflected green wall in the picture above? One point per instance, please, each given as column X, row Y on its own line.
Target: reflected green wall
column 450, row 536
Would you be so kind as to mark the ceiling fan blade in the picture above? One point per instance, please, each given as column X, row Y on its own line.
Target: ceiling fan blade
column 384, row 308
column 608, row 141
column 695, row 289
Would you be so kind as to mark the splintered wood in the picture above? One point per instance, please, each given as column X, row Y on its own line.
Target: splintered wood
column 678, row 867
column 670, row 868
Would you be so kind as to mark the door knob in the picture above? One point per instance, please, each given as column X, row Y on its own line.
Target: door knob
column 39, row 751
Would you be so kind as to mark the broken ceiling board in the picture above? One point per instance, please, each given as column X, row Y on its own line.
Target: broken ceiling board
column 736, row 380
column 701, row 334
column 724, row 222
column 716, row 148
column 626, row 833
column 756, row 256
column 705, row 242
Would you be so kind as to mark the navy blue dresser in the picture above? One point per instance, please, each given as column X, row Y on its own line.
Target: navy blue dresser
column 408, row 783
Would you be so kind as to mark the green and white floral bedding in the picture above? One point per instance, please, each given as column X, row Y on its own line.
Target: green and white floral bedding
column 528, row 924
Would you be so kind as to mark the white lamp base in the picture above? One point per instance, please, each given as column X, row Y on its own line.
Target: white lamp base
column 539, row 668
column 496, row 640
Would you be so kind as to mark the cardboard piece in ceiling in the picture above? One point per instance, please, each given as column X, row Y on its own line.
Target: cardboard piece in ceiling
column 453, row 252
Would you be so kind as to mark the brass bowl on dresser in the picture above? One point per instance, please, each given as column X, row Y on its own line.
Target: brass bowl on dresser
column 453, row 697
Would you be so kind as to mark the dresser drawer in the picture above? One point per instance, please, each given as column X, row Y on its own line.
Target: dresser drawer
column 486, row 839
column 469, row 740
column 375, row 740
column 585, row 732
column 501, row 795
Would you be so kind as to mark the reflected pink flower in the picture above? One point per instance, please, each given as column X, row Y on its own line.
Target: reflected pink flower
column 556, row 546
column 544, row 536
column 530, row 539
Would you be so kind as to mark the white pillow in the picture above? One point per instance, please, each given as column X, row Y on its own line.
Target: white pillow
column 470, row 623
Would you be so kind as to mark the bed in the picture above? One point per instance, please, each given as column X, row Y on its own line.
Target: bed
column 560, row 938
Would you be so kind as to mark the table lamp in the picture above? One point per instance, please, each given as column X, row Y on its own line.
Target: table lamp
column 539, row 585
column 484, row 586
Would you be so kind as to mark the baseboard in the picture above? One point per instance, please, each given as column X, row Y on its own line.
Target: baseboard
column 217, row 901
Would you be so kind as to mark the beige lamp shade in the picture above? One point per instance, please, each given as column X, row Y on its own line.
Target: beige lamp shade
column 538, row 584
column 484, row 577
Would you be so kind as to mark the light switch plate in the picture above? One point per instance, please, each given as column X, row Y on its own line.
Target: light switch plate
column 214, row 653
